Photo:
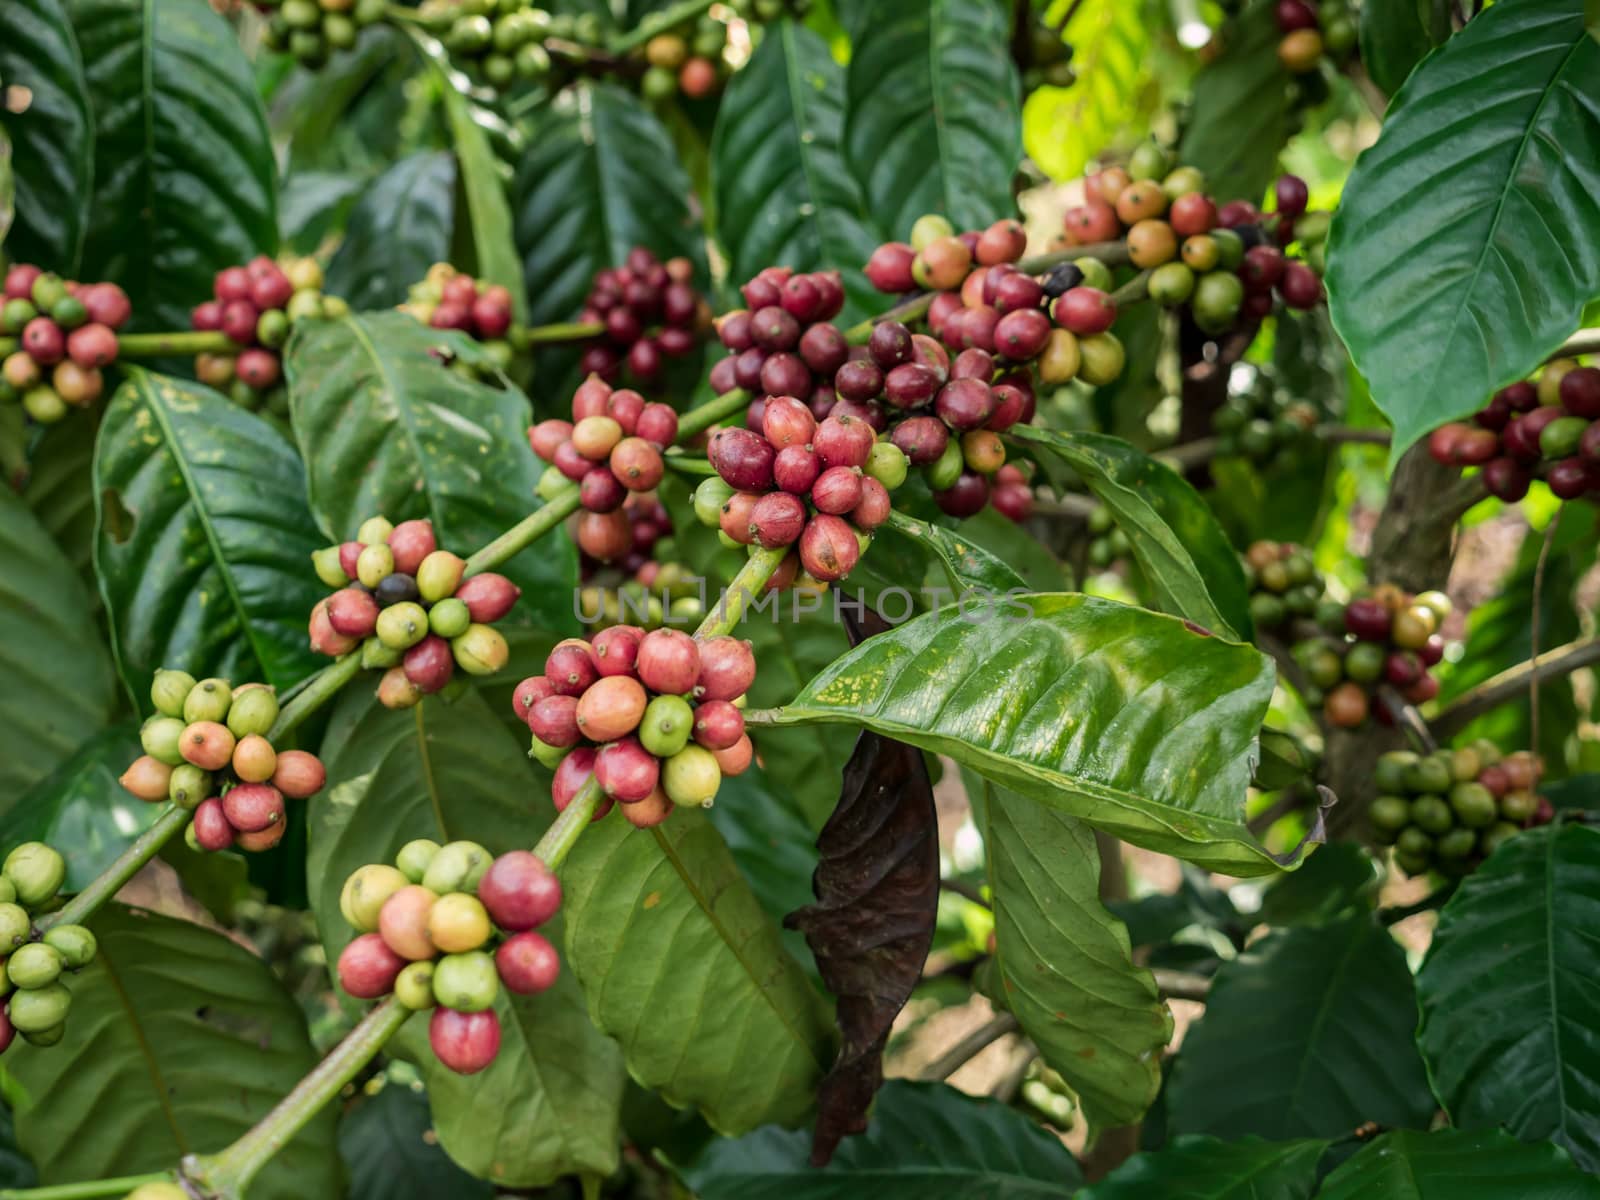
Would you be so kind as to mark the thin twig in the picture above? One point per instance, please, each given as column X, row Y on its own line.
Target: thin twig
column 1533, row 630
column 1509, row 684
column 1585, row 341
column 1005, row 1091
column 965, row 890
column 1068, row 505
column 1182, row 985
column 969, row 1047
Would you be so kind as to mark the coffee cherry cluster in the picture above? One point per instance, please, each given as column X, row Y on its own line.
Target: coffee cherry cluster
column 206, row 750
column 1448, row 811
column 1312, row 29
column 444, row 928
column 782, row 342
column 1284, row 584
column 650, row 311
column 686, row 60
column 66, row 331
column 312, row 30
column 255, row 305
column 1548, row 427
column 448, row 299
column 653, row 716
column 1263, row 422
column 496, row 43
column 1389, row 637
column 405, row 605
column 34, row 965
column 659, row 593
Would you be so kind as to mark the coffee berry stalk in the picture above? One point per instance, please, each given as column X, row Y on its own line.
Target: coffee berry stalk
column 409, row 609
column 444, row 928
column 1450, row 810
column 35, row 965
column 65, row 332
column 207, row 751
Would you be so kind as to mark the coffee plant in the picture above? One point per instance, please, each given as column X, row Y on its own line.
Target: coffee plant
column 680, row 599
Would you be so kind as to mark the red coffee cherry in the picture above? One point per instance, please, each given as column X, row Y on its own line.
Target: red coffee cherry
column 828, row 548
column 611, row 708
column 601, row 491
column 727, row 668
column 875, row 505
column 921, row 439
column 669, row 661
column 742, row 458
column 252, row 807
column 1292, row 193
column 964, row 498
column 796, row 469
column 718, row 724
column 1021, row 335
column 211, row 828
column 889, row 268
column 429, row 665
column 1507, row 479
column 615, row 649
column 519, row 891
column 92, row 346
column 1300, row 287
column 1085, row 311
column 367, row 967
column 527, row 963
column 777, row 518
column 658, row 425
column 571, row 774
column 465, row 1042
column 843, row 441
column 1580, row 391
column 352, row 612
column 627, row 772
column 837, row 490
column 1368, row 619
column 606, row 537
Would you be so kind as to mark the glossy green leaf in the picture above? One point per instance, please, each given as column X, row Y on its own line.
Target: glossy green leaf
column 1064, row 964
column 1018, row 549
column 1203, row 1168
column 203, row 538
column 60, row 681
column 1319, row 1020
column 548, row 1104
column 195, row 1040
column 60, row 489
column 1176, row 540
column 398, row 229
column 599, row 176
column 313, row 205
column 1241, row 109
column 1467, row 240
column 1510, row 993
column 385, row 428
column 931, row 112
column 52, row 138
column 1337, row 880
column 926, row 1141
column 184, row 174
column 82, row 810
column 1125, row 718
column 1394, row 40
column 390, row 1152
column 1065, row 128
column 967, row 566
column 1454, row 1164
column 783, row 194
column 661, row 922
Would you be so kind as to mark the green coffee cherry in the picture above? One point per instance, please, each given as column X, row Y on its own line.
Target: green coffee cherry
column 375, row 656
column 449, row 618
column 208, row 700
column 8, row 894
column 466, row 982
column 691, row 776
column 946, row 469
column 547, row 755
column 1456, row 844
column 15, row 926
column 1095, row 273
column 403, row 625
column 160, row 738
column 76, row 945
column 887, row 464
column 326, row 563
column 457, row 867
column 666, row 725
column 35, row 965
column 374, row 531
column 253, row 711
column 45, row 1037
column 171, row 688
column 709, row 498
column 1474, row 805
column 1432, row 815
column 481, row 650
column 36, row 871
column 364, row 893
column 413, row 987
column 414, row 858
column 39, row 1009
column 374, row 564
column 188, row 786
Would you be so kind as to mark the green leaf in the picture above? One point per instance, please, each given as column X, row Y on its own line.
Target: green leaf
column 195, row 1040
column 1454, row 1164
column 1066, row 128
column 59, row 678
column 1203, row 1168
column 1319, row 1020
column 1393, row 41
column 398, row 229
column 184, row 174
column 931, row 112
column 1176, row 540
column 388, row 1149
column 1241, row 116
column 1591, row 18
column 1508, row 993
column 926, row 1141
column 1119, row 716
column 1468, row 238
column 1064, row 965
column 680, row 964
column 548, row 1104
column 1013, row 545
column 60, row 489
column 52, row 139
column 1337, row 880
column 15, row 1169
column 82, row 810
column 313, row 205
column 203, row 538
column 783, row 193
column 599, row 176
column 969, row 567
column 385, row 428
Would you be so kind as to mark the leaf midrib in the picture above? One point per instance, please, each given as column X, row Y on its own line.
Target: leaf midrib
column 146, row 1052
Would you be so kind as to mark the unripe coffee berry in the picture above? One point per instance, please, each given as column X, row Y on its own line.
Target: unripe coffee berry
column 207, row 745
column 449, row 618
column 365, row 892
column 253, row 710
column 413, row 987
column 438, row 575
column 691, row 777
column 188, row 786
column 666, row 725
column 169, row 690
column 374, row 564
column 147, row 778
column 208, row 700
column 254, row 760
column 611, row 708
column 457, row 867
column 458, row 923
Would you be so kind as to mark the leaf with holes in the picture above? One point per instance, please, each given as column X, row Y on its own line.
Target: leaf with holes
column 548, row 1104
column 1241, row 109
column 1203, row 1168
column 61, row 684
column 1454, row 1164
column 661, row 922
column 184, row 175
column 52, row 138
column 1176, row 540
column 390, row 1152
column 203, row 539
column 931, row 112
column 196, row 1040
column 782, row 191
column 1123, row 717
column 398, row 229
column 1066, row 128
column 599, row 177
column 1509, row 994
column 1320, row 1020
column 926, row 1141
column 1467, row 240
column 1063, row 963
column 384, row 427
